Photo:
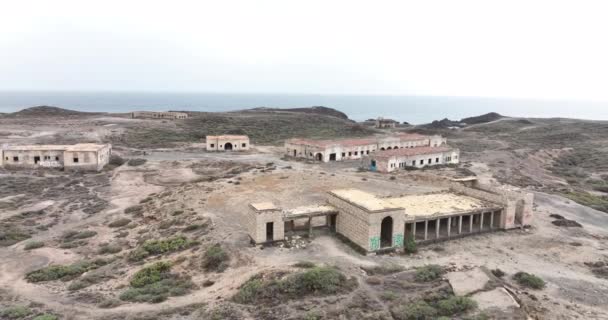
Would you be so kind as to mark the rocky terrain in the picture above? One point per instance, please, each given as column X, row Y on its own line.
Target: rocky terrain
column 157, row 236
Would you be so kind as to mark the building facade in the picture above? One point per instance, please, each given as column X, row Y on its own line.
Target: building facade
column 382, row 123
column 159, row 115
column 401, row 159
column 353, row 149
column 227, row 143
column 85, row 156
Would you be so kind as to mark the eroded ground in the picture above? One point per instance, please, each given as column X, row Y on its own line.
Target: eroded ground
column 183, row 206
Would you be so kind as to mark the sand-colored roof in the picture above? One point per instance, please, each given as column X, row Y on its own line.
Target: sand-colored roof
column 407, row 152
column 437, row 204
column 263, row 206
column 228, row 137
column 359, row 141
column 364, row 199
column 56, row 147
column 309, row 211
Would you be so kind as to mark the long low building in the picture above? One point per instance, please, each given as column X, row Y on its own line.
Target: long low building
column 400, row 159
column 82, row 156
column 376, row 223
column 227, row 143
column 352, row 149
column 159, row 115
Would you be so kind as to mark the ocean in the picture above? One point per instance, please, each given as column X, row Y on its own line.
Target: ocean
column 412, row 109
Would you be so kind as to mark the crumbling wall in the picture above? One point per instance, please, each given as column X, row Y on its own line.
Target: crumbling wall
column 255, row 222
column 352, row 222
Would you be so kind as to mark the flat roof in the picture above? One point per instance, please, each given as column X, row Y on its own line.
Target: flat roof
column 438, row 204
column 228, row 136
column 310, row 210
column 56, row 147
column 358, row 141
column 407, row 152
column 263, row 206
column 365, row 200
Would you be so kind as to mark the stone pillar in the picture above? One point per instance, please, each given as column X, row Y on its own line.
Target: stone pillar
column 481, row 222
column 491, row 220
column 414, row 230
column 426, row 229
column 449, row 226
column 471, row 223
column 437, row 225
column 309, row 227
column 459, row 224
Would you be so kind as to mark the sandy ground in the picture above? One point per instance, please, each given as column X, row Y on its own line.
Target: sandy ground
column 544, row 249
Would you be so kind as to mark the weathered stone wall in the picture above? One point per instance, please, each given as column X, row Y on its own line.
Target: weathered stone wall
column 26, row 158
column 256, row 224
column 352, row 222
column 375, row 220
column 416, row 161
column 219, row 144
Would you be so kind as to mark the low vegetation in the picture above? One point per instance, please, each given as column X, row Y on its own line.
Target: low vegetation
column 63, row 272
column 136, row 162
column 10, row 236
column 409, row 246
column 272, row 289
column 216, row 259
column 383, row 269
column 158, row 247
column 119, row 223
column 529, row 280
column 46, row 316
column 428, row 273
column 78, row 235
column 34, row 245
column 15, row 312
column 434, row 308
column 155, row 283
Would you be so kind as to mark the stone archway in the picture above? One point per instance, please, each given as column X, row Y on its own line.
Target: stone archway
column 227, row 146
column 319, row 157
column 386, row 232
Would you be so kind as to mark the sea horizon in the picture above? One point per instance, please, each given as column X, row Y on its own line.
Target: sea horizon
column 404, row 108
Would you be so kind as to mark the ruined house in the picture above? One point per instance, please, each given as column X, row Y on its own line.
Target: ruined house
column 171, row 115
column 376, row 223
column 382, row 123
column 402, row 159
column 350, row 149
column 82, row 156
column 227, row 143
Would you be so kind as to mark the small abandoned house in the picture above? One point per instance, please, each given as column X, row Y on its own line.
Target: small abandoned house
column 401, row 159
column 82, row 156
column 375, row 223
column 171, row 115
column 351, row 149
column 382, row 123
column 227, row 143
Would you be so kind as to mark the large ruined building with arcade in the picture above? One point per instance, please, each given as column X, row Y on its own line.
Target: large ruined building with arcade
column 373, row 223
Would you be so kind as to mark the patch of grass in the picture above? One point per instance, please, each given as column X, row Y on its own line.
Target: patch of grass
column 317, row 281
column 304, row 264
column 216, row 259
column 136, row 209
column 194, row 227
column 61, row 272
column 109, row 249
column 10, row 236
column 455, row 305
column 157, row 247
column 587, row 199
column 119, row 223
column 441, row 308
column 409, row 246
column 428, row 273
column 78, row 235
column 419, row 310
column 224, row 312
column 529, row 280
column 155, row 283
column 46, row 316
column 136, row 162
column 34, row 245
column 15, row 312
column 388, row 296
column 146, row 200
column 383, row 269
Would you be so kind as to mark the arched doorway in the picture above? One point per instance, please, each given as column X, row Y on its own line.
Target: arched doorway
column 382, row 148
column 228, row 146
column 386, row 232
column 319, row 157
column 294, row 152
column 389, row 148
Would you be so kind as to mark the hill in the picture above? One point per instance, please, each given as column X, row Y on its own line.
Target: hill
column 320, row 110
column 447, row 123
column 488, row 117
column 46, row 111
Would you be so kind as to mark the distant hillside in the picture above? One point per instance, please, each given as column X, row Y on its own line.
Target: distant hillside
column 46, row 111
column 488, row 117
column 314, row 110
column 447, row 123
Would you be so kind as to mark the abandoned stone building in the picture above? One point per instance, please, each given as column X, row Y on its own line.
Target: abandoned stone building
column 352, row 149
column 376, row 223
column 402, row 159
column 382, row 123
column 83, row 156
column 159, row 115
column 227, row 143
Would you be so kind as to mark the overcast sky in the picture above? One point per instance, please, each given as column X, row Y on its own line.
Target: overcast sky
column 520, row 49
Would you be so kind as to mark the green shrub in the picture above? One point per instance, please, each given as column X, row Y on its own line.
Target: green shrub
column 193, row 227
column 428, row 273
column 46, row 316
column 304, row 264
column 157, row 247
column 388, row 295
column 454, row 305
column 16, row 312
column 383, row 269
column 78, row 235
column 155, row 284
column 109, row 249
column 57, row 272
column 34, row 245
column 215, row 259
column 136, row 162
column 177, row 212
column 409, row 246
column 529, row 280
column 116, row 160
column 313, row 281
column 419, row 310
column 136, row 209
column 498, row 273
column 119, row 223
column 12, row 236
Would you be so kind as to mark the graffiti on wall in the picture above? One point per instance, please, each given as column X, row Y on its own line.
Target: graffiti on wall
column 374, row 243
column 398, row 240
